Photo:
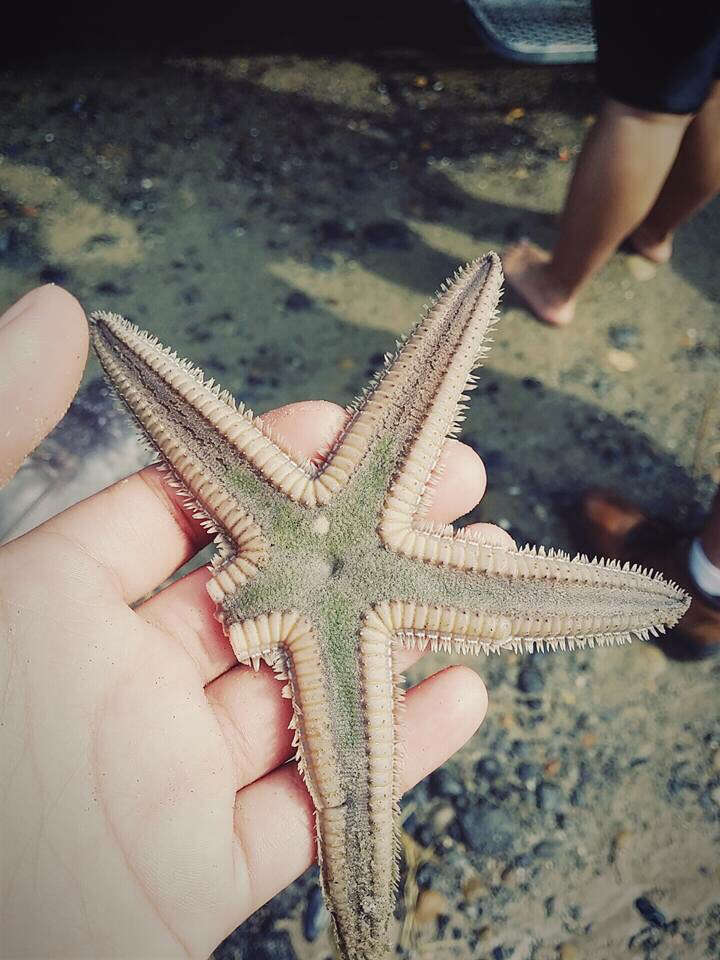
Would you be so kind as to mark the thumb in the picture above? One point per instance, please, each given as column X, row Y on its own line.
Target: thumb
column 43, row 347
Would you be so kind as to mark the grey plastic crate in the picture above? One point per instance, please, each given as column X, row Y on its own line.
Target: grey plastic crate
column 537, row 31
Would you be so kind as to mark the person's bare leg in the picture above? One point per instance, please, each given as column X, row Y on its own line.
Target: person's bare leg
column 623, row 164
column 693, row 180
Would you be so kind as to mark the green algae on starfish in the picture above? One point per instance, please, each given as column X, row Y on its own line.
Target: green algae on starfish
column 328, row 571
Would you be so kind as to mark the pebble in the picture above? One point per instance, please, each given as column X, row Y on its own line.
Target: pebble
column 51, row 274
column 652, row 661
column 546, row 849
column 620, row 843
column 274, row 946
column 641, row 268
column 297, row 300
column 621, row 360
column 489, row 768
column 430, row 904
column 568, row 951
column 716, row 761
column 426, row 875
column 530, row 680
column 388, row 235
column 443, row 817
column 552, row 767
column 528, row 772
column 321, row 261
column 316, row 916
column 650, row 912
column 333, row 230
column 475, row 889
column 444, row 784
column 487, row 829
column 623, row 335
column 548, row 796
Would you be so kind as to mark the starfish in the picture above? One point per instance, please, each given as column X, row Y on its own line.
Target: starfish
column 326, row 571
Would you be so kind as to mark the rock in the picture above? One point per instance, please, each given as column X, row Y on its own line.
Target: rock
column 568, row 951
column 321, row 261
column 530, row 680
column 52, row 274
column 621, row 360
column 443, row 817
column 546, row 849
column 552, row 767
column 273, row 946
column 297, row 300
column 107, row 288
column 430, row 905
column 715, row 796
column 8, row 240
column 502, row 953
column 548, row 796
column 426, row 875
column 444, row 784
column 715, row 761
column 488, row 767
column 388, row 235
column 641, row 268
column 475, row 889
column 528, row 772
column 487, row 829
column 316, row 916
column 650, row 912
column 623, row 335
column 620, row 843
column 520, row 749
column 652, row 662
column 333, row 230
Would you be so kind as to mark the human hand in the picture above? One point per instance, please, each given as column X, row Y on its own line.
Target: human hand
column 147, row 807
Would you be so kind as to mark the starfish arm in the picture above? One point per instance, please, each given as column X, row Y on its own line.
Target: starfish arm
column 415, row 398
column 563, row 605
column 196, row 427
column 351, row 768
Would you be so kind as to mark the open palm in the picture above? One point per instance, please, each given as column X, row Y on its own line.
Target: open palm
column 147, row 805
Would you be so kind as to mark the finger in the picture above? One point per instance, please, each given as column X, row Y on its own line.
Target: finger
column 459, row 483
column 306, row 429
column 43, row 346
column 274, row 820
column 490, row 534
column 309, row 429
column 143, row 517
column 254, row 717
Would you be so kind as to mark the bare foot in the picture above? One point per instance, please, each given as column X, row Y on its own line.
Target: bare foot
column 526, row 270
column 648, row 246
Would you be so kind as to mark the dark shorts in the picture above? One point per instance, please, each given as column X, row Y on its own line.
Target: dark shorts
column 662, row 57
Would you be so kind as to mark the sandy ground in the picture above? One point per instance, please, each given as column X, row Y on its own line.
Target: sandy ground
column 281, row 219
